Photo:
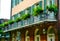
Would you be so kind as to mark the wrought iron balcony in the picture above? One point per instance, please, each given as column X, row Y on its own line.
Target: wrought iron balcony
column 50, row 16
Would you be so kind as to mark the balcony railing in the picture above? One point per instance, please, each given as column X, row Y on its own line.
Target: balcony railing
column 50, row 16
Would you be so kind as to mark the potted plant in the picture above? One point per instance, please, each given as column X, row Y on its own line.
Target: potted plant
column 25, row 16
column 11, row 21
column 37, row 11
column 2, row 25
column 18, row 19
column 5, row 23
column 52, row 8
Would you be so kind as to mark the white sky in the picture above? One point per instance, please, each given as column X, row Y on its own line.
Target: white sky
column 5, row 6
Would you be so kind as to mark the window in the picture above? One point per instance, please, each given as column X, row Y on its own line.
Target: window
column 19, row 15
column 32, row 9
column 50, row 2
column 26, row 12
column 53, row 1
column 40, row 3
column 50, row 34
column 12, row 25
column 20, row 1
column 37, row 4
column 9, row 26
column 45, row 2
column 12, row 17
column 15, row 16
column 22, row 23
column 13, row 3
column 15, row 24
column 32, row 18
column 22, row 12
column 13, row 38
column 16, row 2
column 18, row 38
column 7, row 35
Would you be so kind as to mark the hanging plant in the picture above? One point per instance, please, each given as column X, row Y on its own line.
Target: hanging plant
column 37, row 11
column 18, row 19
column 11, row 21
column 25, row 16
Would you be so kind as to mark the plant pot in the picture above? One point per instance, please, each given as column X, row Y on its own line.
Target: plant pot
column 51, row 15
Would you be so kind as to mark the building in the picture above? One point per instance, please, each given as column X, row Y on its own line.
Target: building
column 1, row 33
column 32, row 21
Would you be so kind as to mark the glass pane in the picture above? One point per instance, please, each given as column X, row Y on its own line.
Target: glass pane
column 51, row 39
column 22, row 12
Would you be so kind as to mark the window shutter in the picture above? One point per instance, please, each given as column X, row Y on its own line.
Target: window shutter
column 40, row 3
column 45, row 2
column 13, row 3
column 32, row 9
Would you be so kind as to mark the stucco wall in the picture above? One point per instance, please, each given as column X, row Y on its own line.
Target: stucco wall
column 23, row 5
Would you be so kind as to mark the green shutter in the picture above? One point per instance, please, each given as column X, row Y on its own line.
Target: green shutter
column 15, row 16
column 32, row 9
column 22, row 12
column 13, row 3
column 40, row 3
column 45, row 2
